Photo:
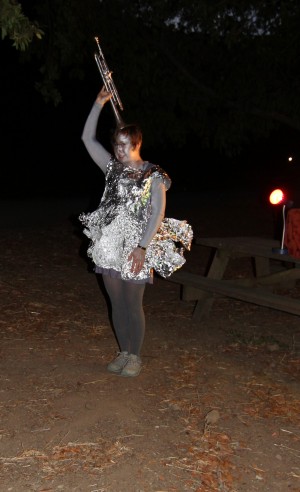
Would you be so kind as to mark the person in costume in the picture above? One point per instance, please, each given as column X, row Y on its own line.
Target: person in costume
column 130, row 237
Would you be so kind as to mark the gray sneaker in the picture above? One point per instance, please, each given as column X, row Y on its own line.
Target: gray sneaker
column 118, row 363
column 133, row 366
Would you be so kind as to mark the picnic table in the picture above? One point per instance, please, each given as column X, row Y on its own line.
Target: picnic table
column 257, row 288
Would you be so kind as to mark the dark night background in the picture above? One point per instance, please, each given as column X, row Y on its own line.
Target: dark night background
column 42, row 154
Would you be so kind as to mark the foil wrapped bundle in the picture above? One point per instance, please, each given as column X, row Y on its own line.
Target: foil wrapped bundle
column 166, row 250
column 165, row 253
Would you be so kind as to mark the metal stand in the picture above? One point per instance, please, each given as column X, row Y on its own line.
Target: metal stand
column 282, row 250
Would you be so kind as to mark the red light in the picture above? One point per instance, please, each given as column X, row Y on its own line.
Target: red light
column 277, row 196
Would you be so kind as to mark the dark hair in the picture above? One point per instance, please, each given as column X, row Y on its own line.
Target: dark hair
column 133, row 131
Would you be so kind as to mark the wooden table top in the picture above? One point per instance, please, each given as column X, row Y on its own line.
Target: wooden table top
column 247, row 246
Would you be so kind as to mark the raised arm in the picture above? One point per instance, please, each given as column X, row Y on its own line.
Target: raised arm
column 96, row 150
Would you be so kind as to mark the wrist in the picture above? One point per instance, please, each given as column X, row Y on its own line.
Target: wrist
column 141, row 247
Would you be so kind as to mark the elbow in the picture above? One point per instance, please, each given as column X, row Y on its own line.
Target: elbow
column 161, row 218
column 85, row 139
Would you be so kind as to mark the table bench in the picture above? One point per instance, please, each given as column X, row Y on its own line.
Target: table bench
column 255, row 289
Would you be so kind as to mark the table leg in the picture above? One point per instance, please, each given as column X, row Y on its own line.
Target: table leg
column 285, row 272
column 262, row 266
column 205, row 300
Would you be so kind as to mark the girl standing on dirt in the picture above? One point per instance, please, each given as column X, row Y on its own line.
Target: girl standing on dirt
column 129, row 236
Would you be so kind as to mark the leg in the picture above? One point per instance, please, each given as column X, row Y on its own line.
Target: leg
column 119, row 313
column 127, row 313
column 129, row 324
column 133, row 295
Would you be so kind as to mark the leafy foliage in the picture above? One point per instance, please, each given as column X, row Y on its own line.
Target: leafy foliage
column 16, row 26
column 221, row 73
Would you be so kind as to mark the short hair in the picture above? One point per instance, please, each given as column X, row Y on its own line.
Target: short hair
column 133, row 131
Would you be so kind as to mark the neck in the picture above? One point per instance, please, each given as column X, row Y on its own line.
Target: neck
column 136, row 163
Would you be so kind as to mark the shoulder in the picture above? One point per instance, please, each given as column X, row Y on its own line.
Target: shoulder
column 157, row 172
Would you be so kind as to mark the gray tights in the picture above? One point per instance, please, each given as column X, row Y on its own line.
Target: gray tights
column 127, row 312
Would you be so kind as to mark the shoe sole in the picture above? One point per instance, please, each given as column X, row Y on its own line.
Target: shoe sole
column 129, row 375
column 114, row 372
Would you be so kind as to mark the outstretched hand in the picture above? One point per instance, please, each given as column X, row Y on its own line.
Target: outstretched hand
column 103, row 96
column 137, row 257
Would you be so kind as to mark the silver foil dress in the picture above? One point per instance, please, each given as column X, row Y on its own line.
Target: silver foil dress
column 117, row 225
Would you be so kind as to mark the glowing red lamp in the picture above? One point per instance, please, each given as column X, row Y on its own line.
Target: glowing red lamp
column 277, row 197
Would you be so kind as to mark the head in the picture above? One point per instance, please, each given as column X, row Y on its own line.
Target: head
column 127, row 142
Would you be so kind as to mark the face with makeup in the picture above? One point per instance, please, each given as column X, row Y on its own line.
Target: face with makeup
column 125, row 151
column 123, row 148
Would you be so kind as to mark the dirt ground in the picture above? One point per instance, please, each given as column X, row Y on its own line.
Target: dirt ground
column 215, row 408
